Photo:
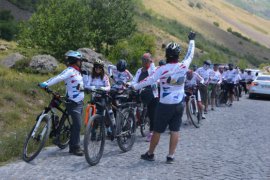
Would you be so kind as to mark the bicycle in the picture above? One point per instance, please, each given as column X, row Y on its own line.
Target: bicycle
column 123, row 129
column 48, row 125
column 222, row 95
column 192, row 109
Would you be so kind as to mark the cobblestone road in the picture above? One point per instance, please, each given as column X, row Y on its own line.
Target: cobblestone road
column 232, row 143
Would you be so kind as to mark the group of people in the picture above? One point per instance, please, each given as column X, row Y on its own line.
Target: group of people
column 161, row 88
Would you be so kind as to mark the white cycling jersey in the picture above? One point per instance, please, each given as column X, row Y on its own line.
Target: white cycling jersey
column 72, row 78
column 150, row 70
column 172, row 77
column 194, row 81
column 204, row 73
column 249, row 78
column 96, row 83
column 231, row 76
column 119, row 76
column 243, row 76
column 215, row 77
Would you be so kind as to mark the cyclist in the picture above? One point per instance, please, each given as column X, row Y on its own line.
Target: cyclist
column 249, row 79
column 204, row 72
column 191, row 83
column 230, row 79
column 119, row 74
column 170, row 107
column 98, row 79
column 149, row 95
column 194, row 67
column 243, row 81
column 215, row 80
column 72, row 77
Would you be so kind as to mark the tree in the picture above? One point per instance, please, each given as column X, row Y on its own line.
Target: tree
column 8, row 27
column 57, row 27
column 111, row 20
column 132, row 50
column 61, row 25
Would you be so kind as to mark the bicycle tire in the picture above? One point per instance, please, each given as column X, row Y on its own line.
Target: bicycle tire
column 95, row 132
column 64, row 132
column 46, row 119
column 126, row 127
column 145, row 123
column 193, row 115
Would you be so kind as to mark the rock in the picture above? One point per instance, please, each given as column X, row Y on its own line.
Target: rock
column 3, row 48
column 43, row 63
column 90, row 55
column 12, row 59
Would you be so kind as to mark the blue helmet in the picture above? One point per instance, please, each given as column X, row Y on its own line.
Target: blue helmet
column 73, row 56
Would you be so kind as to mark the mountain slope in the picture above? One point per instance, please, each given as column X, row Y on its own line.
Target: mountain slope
column 202, row 17
column 258, row 7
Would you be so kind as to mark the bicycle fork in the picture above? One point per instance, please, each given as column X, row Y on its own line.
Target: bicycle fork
column 38, row 124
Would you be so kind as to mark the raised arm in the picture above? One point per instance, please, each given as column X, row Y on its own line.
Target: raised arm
column 191, row 48
column 61, row 77
column 149, row 80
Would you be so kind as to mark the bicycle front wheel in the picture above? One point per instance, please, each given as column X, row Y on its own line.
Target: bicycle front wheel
column 64, row 131
column 36, row 138
column 194, row 113
column 126, row 129
column 94, row 140
column 145, row 123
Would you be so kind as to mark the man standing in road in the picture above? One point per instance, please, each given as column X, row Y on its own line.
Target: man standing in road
column 170, row 108
column 205, row 73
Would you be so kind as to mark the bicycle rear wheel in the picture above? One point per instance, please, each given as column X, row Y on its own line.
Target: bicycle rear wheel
column 36, row 138
column 64, row 131
column 94, row 140
column 194, row 113
column 126, row 129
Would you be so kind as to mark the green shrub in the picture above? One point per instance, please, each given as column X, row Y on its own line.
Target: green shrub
column 191, row 4
column 8, row 27
column 199, row 5
column 229, row 29
column 133, row 49
column 216, row 24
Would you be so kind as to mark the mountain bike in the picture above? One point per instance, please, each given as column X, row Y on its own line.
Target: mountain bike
column 123, row 129
column 48, row 125
column 222, row 95
column 142, row 118
column 192, row 109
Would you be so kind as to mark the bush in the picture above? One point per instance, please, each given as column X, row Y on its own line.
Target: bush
column 199, row 6
column 8, row 27
column 133, row 49
column 191, row 4
column 216, row 24
column 229, row 29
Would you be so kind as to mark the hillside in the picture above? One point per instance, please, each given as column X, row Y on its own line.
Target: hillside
column 257, row 7
column 18, row 13
column 201, row 16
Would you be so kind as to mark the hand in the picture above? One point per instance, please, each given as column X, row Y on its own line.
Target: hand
column 43, row 85
column 102, row 88
column 191, row 35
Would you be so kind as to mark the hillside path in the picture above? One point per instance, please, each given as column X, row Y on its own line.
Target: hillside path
column 232, row 143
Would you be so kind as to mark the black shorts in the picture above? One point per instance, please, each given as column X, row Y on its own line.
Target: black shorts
column 230, row 87
column 168, row 114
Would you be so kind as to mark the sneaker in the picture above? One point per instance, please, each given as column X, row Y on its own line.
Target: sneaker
column 205, row 112
column 212, row 109
column 149, row 137
column 203, row 116
column 170, row 160
column 76, row 151
column 148, row 157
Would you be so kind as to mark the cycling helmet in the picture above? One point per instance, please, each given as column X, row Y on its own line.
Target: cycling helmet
column 194, row 67
column 172, row 51
column 73, row 56
column 98, row 62
column 230, row 64
column 207, row 62
column 161, row 62
column 121, row 65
